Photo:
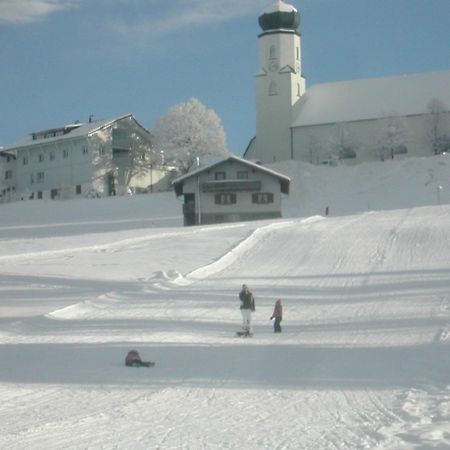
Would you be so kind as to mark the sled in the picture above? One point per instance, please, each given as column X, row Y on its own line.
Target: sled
column 244, row 334
column 141, row 364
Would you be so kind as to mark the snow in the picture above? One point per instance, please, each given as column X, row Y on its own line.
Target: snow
column 362, row 363
column 279, row 5
column 372, row 98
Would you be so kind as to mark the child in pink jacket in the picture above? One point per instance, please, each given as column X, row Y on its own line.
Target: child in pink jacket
column 278, row 316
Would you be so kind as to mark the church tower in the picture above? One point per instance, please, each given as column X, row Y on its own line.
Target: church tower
column 279, row 81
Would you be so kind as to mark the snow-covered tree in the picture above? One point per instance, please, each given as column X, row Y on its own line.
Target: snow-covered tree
column 342, row 143
column 314, row 148
column 393, row 138
column 439, row 140
column 190, row 131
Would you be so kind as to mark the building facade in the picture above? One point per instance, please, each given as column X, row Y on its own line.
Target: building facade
column 231, row 190
column 7, row 176
column 106, row 157
column 346, row 121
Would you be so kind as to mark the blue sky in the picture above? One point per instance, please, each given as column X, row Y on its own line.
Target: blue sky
column 63, row 60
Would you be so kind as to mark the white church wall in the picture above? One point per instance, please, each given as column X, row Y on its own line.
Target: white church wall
column 317, row 144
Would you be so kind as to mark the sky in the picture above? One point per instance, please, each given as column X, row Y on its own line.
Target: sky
column 64, row 60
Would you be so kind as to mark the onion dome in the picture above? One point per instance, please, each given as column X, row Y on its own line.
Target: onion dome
column 279, row 15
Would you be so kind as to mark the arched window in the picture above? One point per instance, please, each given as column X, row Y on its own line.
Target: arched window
column 273, row 88
column 273, row 52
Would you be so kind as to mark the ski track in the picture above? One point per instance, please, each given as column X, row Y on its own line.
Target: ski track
column 331, row 303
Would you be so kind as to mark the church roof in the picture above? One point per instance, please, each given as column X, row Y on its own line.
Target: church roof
column 347, row 101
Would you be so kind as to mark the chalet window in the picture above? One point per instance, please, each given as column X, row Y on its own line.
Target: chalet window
column 262, row 198
column 242, row 175
column 220, row 176
column 25, row 160
column 225, row 199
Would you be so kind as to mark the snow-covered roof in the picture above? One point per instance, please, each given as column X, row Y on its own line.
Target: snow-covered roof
column 283, row 178
column 279, row 5
column 372, row 98
column 71, row 131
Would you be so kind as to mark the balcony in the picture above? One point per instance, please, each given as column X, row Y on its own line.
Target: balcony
column 231, row 186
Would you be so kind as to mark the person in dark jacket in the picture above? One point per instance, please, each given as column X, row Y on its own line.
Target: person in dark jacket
column 247, row 306
column 278, row 316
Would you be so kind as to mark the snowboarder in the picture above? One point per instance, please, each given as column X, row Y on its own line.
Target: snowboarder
column 133, row 359
column 247, row 307
column 278, row 316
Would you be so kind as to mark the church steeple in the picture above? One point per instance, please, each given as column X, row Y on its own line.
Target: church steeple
column 279, row 81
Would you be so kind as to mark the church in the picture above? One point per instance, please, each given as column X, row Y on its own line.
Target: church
column 340, row 122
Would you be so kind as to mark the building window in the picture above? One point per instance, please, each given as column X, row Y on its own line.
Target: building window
column 52, row 156
column 31, row 178
column 273, row 88
column 297, row 53
column 262, row 197
column 220, row 176
column 41, row 157
column 40, row 177
column 225, row 199
column 8, row 174
column 78, row 189
column 242, row 175
column 85, row 150
column 273, row 52
column 25, row 160
column 65, row 154
column 101, row 150
column 39, row 195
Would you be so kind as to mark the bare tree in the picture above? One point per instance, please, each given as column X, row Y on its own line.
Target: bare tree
column 393, row 138
column 189, row 131
column 342, row 143
column 314, row 149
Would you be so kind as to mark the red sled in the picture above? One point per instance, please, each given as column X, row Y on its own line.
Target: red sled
column 133, row 359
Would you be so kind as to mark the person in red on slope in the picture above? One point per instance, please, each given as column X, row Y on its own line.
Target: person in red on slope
column 278, row 316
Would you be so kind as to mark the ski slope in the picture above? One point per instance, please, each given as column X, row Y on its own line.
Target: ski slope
column 363, row 361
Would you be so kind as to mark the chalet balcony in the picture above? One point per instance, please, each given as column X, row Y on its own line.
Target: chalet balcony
column 231, row 186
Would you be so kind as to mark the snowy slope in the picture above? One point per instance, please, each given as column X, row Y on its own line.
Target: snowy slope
column 363, row 360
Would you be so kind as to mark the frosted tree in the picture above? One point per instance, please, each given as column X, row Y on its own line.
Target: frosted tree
column 342, row 145
column 189, row 131
column 439, row 140
column 314, row 149
column 393, row 138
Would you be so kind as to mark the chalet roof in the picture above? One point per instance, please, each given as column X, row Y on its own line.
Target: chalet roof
column 70, row 131
column 284, row 180
column 372, row 98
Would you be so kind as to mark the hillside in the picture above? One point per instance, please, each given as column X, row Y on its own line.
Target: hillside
column 363, row 361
